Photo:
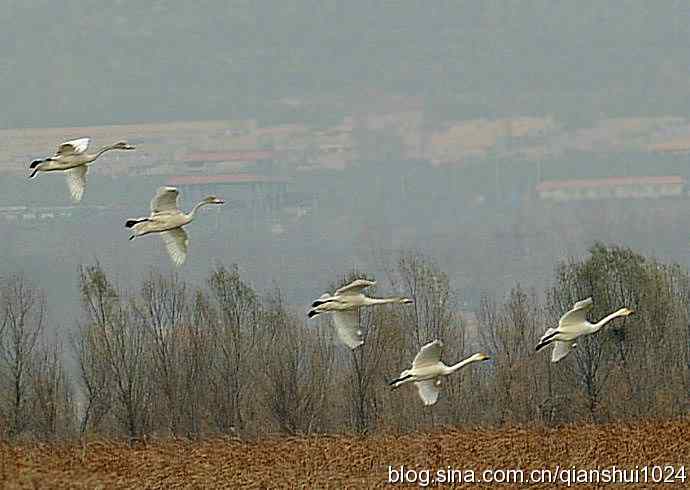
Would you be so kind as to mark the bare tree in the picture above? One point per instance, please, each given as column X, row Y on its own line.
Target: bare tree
column 296, row 368
column 112, row 333
column 52, row 410
column 161, row 310
column 235, row 323
column 94, row 375
column 510, row 332
column 195, row 344
column 23, row 312
column 429, row 287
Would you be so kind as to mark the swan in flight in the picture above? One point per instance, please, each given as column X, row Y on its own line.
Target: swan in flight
column 71, row 157
column 573, row 325
column 427, row 370
column 344, row 304
column 168, row 220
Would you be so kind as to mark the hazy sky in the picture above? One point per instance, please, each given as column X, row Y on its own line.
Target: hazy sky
column 77, row 63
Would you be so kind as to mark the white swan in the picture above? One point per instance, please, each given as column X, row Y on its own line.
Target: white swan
column 427, row 370
column 168, row 220
column 71, row 157
column 573, row 325
column 345, row 304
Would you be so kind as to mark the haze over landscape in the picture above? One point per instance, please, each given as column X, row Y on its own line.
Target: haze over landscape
column 494, row 141
column 473, row 103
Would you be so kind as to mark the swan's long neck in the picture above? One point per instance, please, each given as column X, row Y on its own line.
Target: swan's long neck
column 606, row 319
column 461, row 364
column 190, row 215
column 103, row 150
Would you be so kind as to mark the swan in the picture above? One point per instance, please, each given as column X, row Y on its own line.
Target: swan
column 344, row 304
column 572, row 325
column 427, row 370
column 168, row 220
column 71, row 157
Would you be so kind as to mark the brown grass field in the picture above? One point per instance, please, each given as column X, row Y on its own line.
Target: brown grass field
column 341, row 461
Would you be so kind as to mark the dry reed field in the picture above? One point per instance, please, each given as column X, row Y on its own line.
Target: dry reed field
column 339, row 461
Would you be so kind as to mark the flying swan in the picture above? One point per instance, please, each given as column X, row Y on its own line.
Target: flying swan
column 427, row 370
column 168, row 220
column 71, row 157
column 344, row 304
column 573, row 325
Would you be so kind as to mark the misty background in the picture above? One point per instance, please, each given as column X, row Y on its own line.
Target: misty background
column 600, row 88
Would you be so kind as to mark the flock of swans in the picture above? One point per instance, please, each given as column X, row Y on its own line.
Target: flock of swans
column 166, row 219
column 427, row 368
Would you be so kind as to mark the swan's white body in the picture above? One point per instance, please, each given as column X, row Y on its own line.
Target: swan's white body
column 573, row 325
column 167, row 220
column 344, row 304
column 71, row 157
column 427, row 371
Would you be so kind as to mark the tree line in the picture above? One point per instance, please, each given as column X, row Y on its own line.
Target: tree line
column 172, row 359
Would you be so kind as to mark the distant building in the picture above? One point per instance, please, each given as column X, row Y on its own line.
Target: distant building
column 611, row 188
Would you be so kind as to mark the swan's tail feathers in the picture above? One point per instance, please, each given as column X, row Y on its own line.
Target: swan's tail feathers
column 34, row 165
column 396, row 382
column 324, row 298
column 546, row 339
column 312, row 313
column 131, row 222
column 543, row 343
column 320, row 302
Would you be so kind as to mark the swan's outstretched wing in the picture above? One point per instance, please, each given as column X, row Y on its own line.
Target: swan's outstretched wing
column 348, row 329
column 428, row 354
column 76, row 181
column 73, row 147
column 355, row 287
column 576, row 316
column 428, row 391
column 176, row 242
column 165, row 200
column 560, row 350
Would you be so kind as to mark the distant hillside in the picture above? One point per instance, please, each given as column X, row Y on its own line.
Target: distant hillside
column 73, row 63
